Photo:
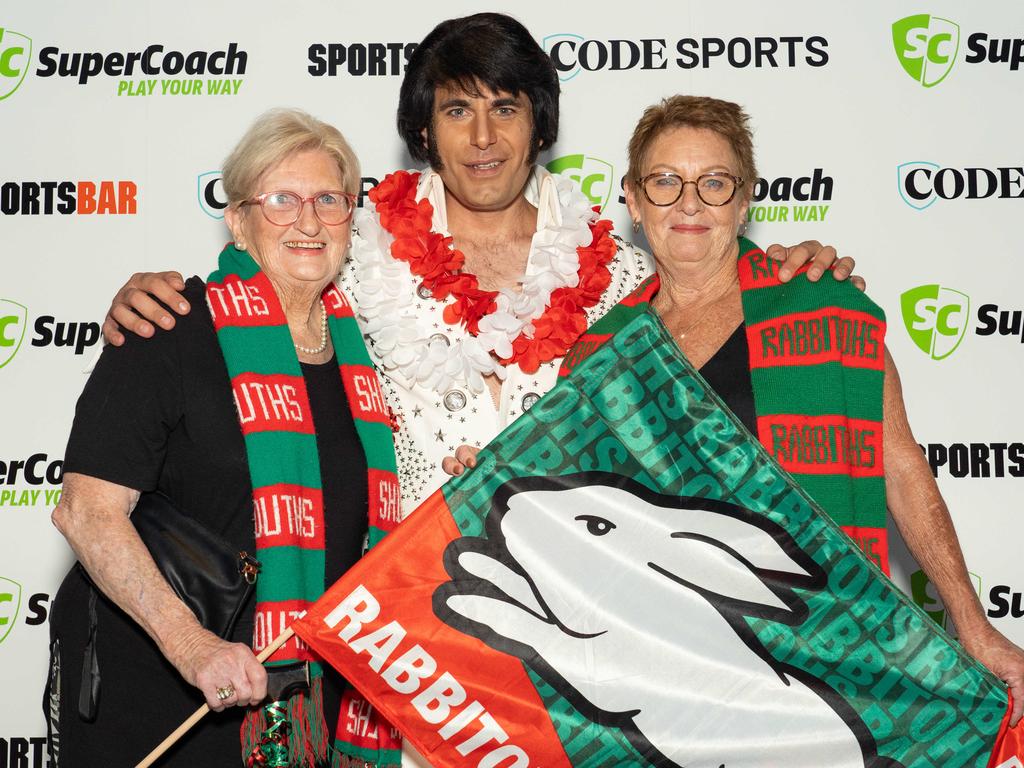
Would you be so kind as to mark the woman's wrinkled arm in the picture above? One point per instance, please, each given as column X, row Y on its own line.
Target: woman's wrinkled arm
column 923, row 519
column 93, row 517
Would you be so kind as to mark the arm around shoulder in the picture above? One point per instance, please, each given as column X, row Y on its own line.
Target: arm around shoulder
column 136, row 305
column 925, row 523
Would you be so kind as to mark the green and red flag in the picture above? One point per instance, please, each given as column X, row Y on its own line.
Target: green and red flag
column 628, row 578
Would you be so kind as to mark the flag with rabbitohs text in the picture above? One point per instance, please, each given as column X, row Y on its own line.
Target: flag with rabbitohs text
column 628, row 579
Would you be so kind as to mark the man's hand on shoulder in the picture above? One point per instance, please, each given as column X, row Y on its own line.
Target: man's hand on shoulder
column 134, row 308
column 822, row 257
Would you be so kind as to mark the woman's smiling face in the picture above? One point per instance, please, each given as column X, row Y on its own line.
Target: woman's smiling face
column 689, row 230
column 307, row 251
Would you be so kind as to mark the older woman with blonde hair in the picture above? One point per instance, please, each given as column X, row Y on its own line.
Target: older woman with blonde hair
column 263, row 399
column 803, row 366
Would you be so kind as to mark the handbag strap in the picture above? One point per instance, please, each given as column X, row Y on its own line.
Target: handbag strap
column 89, row 692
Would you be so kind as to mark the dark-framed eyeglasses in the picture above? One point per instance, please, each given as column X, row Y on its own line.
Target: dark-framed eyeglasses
column 665, row 188
column 283, row 208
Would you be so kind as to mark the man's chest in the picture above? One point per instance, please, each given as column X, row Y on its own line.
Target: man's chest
column 497, row 265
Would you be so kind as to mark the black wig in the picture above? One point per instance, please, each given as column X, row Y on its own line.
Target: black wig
column 489, row 50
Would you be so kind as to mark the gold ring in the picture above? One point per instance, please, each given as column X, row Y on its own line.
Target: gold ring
column 226, row 692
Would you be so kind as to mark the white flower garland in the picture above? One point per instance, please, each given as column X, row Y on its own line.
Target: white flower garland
column 385, row 295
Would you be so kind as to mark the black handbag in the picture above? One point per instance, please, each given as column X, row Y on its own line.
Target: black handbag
column 212, row 577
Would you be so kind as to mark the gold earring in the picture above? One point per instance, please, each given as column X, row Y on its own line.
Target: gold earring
column 636, row 226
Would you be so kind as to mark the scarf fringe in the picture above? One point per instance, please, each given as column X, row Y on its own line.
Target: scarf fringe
column 307, row 735
column 307, row 730
column 253, row 727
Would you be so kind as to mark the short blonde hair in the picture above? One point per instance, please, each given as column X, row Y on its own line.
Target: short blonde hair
column 725, row 118
column 274, row 136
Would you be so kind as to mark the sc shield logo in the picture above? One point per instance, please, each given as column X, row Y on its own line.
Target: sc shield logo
column 594, row 176
column 10, row 604
column 212, row 199
column 15, row 57
column 925, row 595
column 926, row 47
column 13, row 322
column 936, row 318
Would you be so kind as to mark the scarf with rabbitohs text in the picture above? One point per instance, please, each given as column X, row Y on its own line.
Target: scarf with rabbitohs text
column 817, row 362
column 284, row 466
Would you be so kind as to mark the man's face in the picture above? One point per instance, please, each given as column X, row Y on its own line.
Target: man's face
column 484, row 144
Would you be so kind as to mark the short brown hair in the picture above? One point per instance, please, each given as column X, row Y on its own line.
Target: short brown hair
column 725, row 118
column 274, row 136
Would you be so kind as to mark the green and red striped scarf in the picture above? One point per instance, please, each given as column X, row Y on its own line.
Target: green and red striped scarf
column 280, row 441
column 817, row 361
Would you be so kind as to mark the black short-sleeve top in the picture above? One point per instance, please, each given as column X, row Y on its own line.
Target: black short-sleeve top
column 157, row 414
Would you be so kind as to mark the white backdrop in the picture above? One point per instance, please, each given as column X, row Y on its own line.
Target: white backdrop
column 830, row 98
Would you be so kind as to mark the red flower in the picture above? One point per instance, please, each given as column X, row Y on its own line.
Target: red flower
column 554, row 332
column 395, row 188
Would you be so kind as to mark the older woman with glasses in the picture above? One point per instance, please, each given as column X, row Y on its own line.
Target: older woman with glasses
column 803, row 366
column 261, row 399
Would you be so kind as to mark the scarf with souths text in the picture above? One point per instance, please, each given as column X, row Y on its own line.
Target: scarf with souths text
column 280, row 442
column 817, row 362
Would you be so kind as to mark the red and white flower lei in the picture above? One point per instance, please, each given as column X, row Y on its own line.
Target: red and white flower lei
column 528, row 328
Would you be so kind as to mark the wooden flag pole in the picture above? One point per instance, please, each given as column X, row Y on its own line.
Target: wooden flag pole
column 198, row 715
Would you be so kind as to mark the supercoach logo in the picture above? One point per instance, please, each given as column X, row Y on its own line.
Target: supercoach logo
column 924, row 594
column 13, row 321
column 572, row 53
column 12, row 595
column 15, row 57
column 594, row 176
column 10, row 603
column 32, row 481
column 156, row 70
column 1003, row 600
column 34, row 198
column 928, row 47
column 936, row 318
column 48, row 332
column 791, row 198
column 359, row 59
column 921, row 183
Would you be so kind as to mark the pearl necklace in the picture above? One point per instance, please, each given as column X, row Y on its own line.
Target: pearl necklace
column 323, row 334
